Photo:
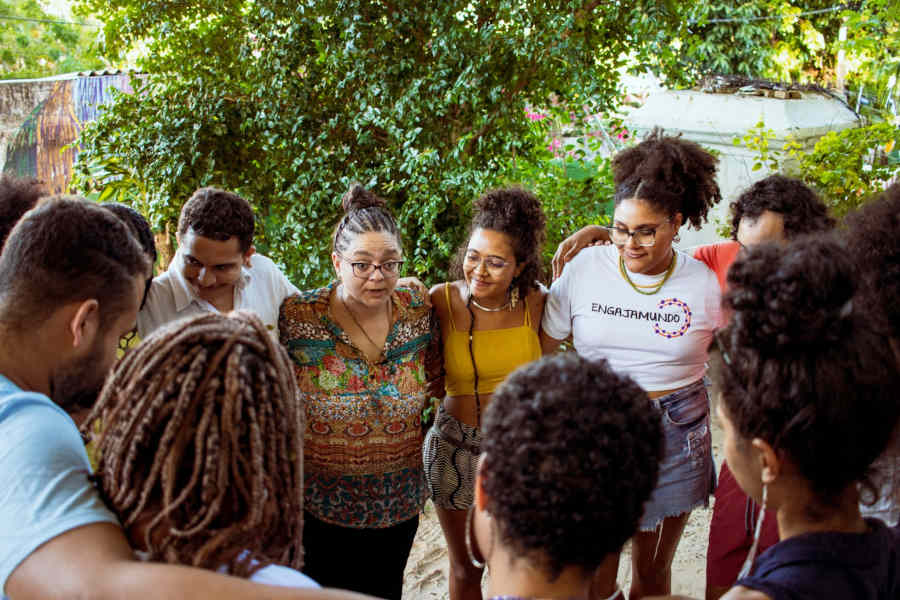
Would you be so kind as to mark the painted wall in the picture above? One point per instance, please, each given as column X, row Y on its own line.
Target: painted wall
column 39, row 119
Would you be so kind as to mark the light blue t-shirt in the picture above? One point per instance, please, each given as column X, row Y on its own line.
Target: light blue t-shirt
column 44, row 487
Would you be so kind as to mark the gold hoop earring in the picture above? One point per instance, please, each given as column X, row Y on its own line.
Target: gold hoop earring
column 470, row 541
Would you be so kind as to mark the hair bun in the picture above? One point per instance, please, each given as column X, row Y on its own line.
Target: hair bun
column 358, row 198
column 795, row 296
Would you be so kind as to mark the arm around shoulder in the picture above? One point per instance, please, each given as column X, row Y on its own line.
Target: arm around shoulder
column 95, row 562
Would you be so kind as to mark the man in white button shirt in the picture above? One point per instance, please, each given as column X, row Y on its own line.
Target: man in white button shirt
column 215, row 268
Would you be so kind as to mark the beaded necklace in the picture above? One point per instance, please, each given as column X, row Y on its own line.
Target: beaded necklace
column 651, row 289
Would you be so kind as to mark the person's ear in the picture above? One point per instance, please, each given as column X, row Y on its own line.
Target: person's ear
column 85, row 323
column 248, row 254
column 677, row 221
column 769, row 461
column 336, row 261
column 481, row 497
column 519, row 268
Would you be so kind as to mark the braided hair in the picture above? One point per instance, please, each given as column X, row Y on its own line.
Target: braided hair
column 202, row 426
column 363, row 212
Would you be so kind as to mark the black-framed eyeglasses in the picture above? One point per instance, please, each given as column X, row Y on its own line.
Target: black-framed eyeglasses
column 645, row 236
column 390, row 269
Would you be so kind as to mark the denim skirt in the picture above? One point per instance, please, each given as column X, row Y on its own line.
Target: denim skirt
column 687, row 474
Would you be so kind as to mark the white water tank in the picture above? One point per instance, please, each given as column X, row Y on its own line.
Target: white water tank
column 714, row 120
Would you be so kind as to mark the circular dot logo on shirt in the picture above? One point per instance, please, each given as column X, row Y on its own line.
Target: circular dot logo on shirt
column 685, row 323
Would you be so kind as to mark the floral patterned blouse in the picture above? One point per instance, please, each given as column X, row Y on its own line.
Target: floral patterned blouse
column 363, row 441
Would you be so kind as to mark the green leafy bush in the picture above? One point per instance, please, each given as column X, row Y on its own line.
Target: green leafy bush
column 287, row 103
column 847, row 167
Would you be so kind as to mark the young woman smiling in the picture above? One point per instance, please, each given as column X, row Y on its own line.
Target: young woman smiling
column 489, row 324
column 651, row 311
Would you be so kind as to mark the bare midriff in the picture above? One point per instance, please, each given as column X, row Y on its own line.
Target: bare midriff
column 463, row 408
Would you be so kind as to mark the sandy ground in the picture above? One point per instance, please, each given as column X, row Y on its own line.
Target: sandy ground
column 428, row 566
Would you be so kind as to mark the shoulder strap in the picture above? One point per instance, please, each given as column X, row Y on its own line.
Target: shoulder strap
column 527, row 314
column 449, row 307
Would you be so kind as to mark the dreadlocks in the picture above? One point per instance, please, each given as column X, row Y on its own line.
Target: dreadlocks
column 202, row 430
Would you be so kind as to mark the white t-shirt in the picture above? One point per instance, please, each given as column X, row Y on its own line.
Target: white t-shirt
column 261, row 289
column 659, row 340
column 283, row 576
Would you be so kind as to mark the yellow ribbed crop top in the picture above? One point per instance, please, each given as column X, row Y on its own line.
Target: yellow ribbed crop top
column 498, row 352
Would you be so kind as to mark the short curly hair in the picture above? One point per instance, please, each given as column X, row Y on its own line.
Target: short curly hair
column 672, row 174
column 571, row 455
column 873, row 237
column 138, row 225
column 802, row 209
column 803, row 369
column 17, row 196
column 218, row 215
column 518, row 213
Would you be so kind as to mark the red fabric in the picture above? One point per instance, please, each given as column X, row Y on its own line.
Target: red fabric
column 718, row 257
column 731, row 531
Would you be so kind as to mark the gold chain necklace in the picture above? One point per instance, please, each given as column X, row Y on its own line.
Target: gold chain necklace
column 650, row 289
column 359, row 326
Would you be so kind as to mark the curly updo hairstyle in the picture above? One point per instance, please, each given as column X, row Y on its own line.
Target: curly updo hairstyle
column 363, row 212
column 518, row 213
column 803, row 368
column 873, row 237
column 802, row 209
column 674, row 175
column 571, row 454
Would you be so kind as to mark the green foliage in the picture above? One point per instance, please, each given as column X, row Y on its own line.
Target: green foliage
column 851, row 165
column 847, row 167
column 287, row 103
column 757, row 140
column 31, row 48
column 783, row 40
column 571, row 173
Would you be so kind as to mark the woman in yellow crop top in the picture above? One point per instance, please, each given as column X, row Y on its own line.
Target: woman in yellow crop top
column 489, row 325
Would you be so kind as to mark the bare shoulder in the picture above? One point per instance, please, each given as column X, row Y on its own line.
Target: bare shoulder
column 439, row 298
column 740, row 592
column 536, row 300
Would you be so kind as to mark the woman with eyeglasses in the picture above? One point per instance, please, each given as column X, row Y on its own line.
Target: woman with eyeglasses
column 651, row 311
column 367, row 357
column 489, row 321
